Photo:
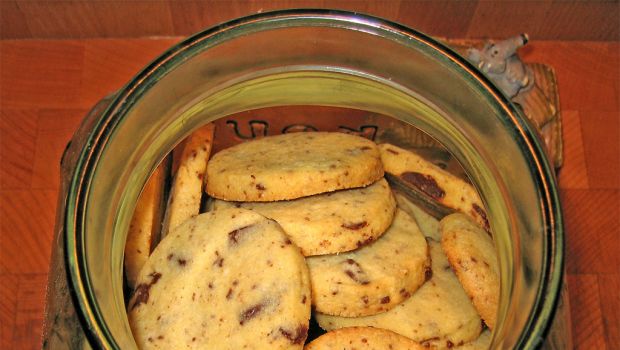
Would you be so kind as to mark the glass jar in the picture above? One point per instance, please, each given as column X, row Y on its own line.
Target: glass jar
column 310, row 58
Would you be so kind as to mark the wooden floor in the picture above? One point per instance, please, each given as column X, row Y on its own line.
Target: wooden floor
column 47, row 86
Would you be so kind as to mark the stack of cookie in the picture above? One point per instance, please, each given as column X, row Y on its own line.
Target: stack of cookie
column 305, row 219
column 328, row 192
column 460, row 299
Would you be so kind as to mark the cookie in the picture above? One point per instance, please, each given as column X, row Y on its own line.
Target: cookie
column 145, row 224
column 471, row 253
column 187, row 187
column 439, row 314
column 374, row 278
column 228, row 279
column 293, row 165
column 362, row 338
column 447, row 189
column 330, row 222
column 427, row 223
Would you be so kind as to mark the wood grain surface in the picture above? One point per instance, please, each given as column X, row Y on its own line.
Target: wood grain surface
column 46, row 87
column 542, row 19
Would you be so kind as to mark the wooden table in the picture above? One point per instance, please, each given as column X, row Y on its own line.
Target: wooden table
column 47, row 86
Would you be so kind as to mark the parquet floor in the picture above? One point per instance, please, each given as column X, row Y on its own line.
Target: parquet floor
column 46, row 87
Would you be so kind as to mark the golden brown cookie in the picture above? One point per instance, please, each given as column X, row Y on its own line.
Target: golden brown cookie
column 472, row 255
column 447, row 189
column 374, row 278
column 331, row 222
column 362, row 338
column 438, row 315
column 228, row 279
column 187, row 186
column 145, row 224
column 293, row 165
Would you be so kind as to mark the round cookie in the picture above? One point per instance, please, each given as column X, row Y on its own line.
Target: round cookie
column 438, row 315
column 471, row 253
column 374, row 278
column 229, row 279
column 362, row 338
column 330, row 222
column 437, row 183
column 293, row 165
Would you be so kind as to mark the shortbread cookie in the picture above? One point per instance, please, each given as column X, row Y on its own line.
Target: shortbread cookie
column 482, row 343
column 187, row 186
column 374, row 278
column 363, row 338
column 330, row 222
column 439, row 314
column 445, row 188
column 471, row 253
column 145, row 224
column 427, row 223
column 293, row 165
column 228, row 279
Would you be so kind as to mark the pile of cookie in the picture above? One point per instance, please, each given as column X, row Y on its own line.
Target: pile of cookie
column 305, row 225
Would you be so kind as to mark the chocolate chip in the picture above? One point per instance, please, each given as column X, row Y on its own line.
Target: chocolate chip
column 424, row 183
column 298, row 336
column 355, row 272
column 385, row 300
column 219, row 261
column 250, row 313
column 428, row 273
column 482, row 214
column 260, row 187
column 141, row 295
column 355, row 226
column 364, row 242
column 235, row 236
